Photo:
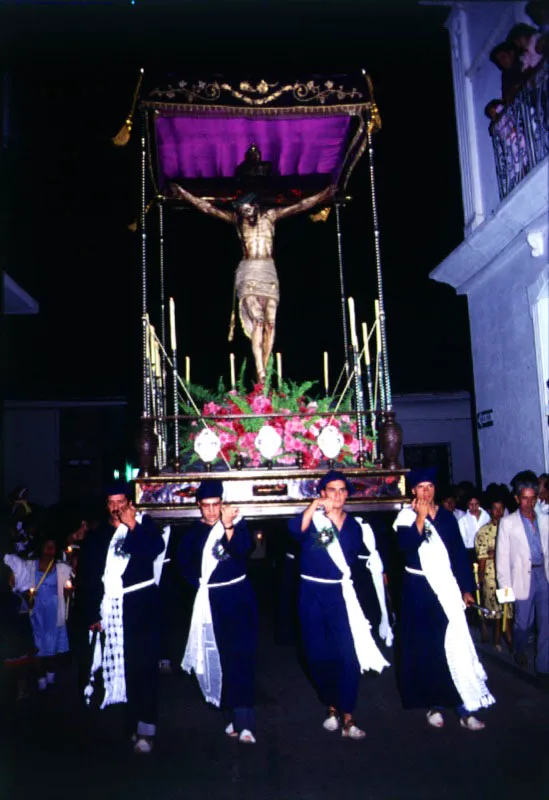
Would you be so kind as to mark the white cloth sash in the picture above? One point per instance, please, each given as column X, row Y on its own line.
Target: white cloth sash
column 375, row 565
column 465, row 668
column 368, row 655
column 201, row 653
column 111, row 656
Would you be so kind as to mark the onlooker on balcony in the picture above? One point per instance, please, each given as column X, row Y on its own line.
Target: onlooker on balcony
column 506, row 58
column 538, row 11
column 526, row 40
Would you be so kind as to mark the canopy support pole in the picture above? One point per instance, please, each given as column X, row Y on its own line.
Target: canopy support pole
column 384, row 365
column 163, row 455
column 145, row 332
column 344, row 320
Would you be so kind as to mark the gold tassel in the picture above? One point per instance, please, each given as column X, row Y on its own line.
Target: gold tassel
column 123, row 136
column 321, row 216
column 134, row 226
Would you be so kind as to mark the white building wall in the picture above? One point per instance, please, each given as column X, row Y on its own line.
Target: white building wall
column 502, row 265
column 505, row 370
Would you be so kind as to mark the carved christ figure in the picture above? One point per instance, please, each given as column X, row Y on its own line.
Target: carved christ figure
column 256, row 280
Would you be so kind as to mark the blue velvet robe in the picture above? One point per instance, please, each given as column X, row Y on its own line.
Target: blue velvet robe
column 234, row 610
column 423, row 676
column 326, row 635
column 141, row 610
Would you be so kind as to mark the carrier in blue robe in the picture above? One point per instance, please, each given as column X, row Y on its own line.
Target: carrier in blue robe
column 141, row 613
column 234, row 616
column 325, row 632
column 424, row 680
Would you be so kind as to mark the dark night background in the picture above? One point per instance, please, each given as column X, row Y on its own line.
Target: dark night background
column 68, row 194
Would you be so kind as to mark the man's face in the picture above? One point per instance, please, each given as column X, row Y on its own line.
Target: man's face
column 116, row 503
column 543, row 494
column 210, row 508
column 526, row 501
column 496, row 511
column 48, row 550
column 449, row 504
column 248, row 211
column 473, row 506
column 425, row 491
column 505, row 59
column 337, row 492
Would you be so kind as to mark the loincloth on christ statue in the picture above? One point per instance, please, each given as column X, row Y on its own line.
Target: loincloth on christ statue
column 257, row 278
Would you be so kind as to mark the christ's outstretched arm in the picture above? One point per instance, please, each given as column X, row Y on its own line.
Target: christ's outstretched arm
column 203, row 205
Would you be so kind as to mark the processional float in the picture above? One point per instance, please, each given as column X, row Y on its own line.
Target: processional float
column 277, row 147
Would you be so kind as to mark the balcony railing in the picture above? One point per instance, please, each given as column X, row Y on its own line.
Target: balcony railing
column 520, row 134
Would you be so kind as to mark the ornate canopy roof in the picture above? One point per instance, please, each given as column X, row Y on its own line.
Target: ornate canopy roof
column 311, row 131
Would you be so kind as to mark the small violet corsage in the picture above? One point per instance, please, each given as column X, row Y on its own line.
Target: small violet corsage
column 325, row 531
column 219, row 552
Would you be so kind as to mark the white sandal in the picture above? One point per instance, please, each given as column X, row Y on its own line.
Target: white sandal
column 230, row 731
column 246, row 737
column 352, row 731
column 435, row 719
column 331, row 723
column 472, row 723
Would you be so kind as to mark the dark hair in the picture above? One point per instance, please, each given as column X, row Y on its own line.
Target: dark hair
column 525, row 480
column 535, row 9
column 502, row 47
column 492, row 104
column 521, row 29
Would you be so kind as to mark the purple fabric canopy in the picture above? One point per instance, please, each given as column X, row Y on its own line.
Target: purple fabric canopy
column 212, row 145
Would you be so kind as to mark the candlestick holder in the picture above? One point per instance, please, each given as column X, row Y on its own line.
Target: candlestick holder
column 239, row 462
column 361, row 460
column 299, row 460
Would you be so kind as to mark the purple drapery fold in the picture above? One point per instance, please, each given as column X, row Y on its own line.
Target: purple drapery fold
column 212, row 146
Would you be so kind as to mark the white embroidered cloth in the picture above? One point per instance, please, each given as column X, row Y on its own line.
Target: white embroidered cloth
column 375, row 565
column 465, row 668
column 111, row 656
column 367, row 652
column 201, row 653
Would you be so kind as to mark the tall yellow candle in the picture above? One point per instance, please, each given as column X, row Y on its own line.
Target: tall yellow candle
column 153, row 350
column 279, row 367
column 378, row 327
column 233, row 373
column 173, row 337
column 147, row 340
column 187, row 369
column 352, row 322
column 326, row 381
column 366, row 344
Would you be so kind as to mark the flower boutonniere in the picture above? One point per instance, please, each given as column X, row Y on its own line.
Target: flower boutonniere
column 428, row 528
column 219, row 552
column 119, row 548
column 325, row 531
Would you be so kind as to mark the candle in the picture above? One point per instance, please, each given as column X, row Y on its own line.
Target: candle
column 147, row 341
column 326, row 381
column 366, row 344
column 233, row 375
column 352, row 323
column 378, row 328
column 187, row 369
column 68, row 584
column 279, row 368
column 153, row 350
column 69, row 550
column 173, row 338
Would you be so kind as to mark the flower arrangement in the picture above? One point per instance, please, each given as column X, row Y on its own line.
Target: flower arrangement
column 298, row 420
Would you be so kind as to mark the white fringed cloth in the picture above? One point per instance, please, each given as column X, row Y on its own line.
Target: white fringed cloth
column 375, row 565
column 255, row 277
column 465, row 668
column 110, row 657
column 201, row 654
column 367, row 652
